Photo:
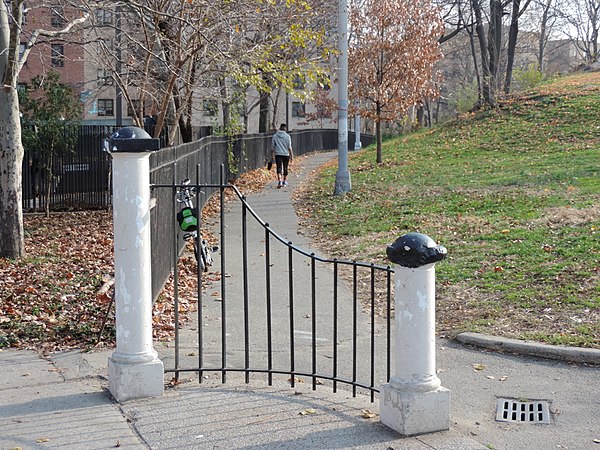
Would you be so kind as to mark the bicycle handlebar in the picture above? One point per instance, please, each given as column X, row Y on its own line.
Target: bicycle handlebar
column 185, row 194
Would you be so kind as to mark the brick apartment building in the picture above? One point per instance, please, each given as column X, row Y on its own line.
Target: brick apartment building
column 58, row 54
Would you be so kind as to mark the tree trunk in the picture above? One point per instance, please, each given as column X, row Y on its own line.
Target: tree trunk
column 543, row 39
column 275, row 102
column 48, row 181
column 420, row 115
column 184, row 121
column 475, row 62
column 495, row 44
column 186, row 129
column 378, row 135
column 512, row 44
column 487, row 93
column 263, row 118
column 225, row 105
column 11, row 161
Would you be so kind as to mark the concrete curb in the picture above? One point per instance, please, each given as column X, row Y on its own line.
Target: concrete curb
column 570, row 354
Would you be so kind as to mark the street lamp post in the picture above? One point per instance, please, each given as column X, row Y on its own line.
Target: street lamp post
column 342, row 177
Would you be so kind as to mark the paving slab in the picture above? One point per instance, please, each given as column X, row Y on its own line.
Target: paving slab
column 76, row 364
column 278, row 417
column 75, row 415
column 22, row 368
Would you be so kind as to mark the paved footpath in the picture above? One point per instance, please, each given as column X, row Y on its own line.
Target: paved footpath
column 60, row 401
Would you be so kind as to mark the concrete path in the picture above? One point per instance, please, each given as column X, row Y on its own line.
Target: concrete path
column 60, row 401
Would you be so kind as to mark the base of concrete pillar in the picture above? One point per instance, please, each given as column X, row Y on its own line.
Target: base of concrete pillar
column 127, row 381
column 411, row 413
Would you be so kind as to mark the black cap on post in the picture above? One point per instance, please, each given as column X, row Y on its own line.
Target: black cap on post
column 133, row 139
column 415, row 250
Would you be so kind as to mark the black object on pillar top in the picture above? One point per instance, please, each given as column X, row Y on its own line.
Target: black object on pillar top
column 414, row 250
column 133, row 139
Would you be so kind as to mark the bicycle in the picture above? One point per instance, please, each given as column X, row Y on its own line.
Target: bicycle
column 187, row 217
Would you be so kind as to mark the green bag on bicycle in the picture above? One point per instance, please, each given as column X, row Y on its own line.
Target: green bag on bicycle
column 187, row 219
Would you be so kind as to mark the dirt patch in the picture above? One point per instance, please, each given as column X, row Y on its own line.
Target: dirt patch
column 566, row 216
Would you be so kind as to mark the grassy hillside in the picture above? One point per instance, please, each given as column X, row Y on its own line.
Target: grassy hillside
column 512, row 193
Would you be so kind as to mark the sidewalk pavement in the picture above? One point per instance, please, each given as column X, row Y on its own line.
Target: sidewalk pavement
column 61, row 401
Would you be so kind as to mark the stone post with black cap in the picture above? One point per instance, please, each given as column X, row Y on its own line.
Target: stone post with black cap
column 414, row 402
column 134, row 369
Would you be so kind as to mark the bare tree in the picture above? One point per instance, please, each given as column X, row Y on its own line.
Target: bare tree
column 175, row 53
column 544, row 18
column 583, row 17
column 517, row 11
column 548, row 18
column 454, row 18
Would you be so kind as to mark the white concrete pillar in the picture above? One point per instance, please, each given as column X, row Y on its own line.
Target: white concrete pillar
column 414, row 402
column 134, row 368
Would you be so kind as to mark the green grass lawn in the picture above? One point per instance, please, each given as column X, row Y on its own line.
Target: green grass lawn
column 513, row 194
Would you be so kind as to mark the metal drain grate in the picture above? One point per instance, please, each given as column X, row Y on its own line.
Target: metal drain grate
column 529, row 411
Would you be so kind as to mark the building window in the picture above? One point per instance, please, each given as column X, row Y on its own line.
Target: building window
column 104, row 17
column 325, row 83
column 210, row 108
column 298, row 109
column 57, row 17
column 106, row 107
column 24, row 16
column 22, row 48
column 58, row 55
column 104, row 78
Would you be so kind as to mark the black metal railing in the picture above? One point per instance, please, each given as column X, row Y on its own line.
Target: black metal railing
column 80, row 179
column 201, row 162
column 76, row 180
column 280, row 310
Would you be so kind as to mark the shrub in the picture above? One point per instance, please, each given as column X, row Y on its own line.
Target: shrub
column 527, row 77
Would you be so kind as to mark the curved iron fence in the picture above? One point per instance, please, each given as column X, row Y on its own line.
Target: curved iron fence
column 284, row 310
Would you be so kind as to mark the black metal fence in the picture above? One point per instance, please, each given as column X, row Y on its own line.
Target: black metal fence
column 80, row 180
column 281, row 310
column 201, row 162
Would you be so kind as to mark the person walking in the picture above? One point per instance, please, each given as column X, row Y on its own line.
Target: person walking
column 281, row 152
